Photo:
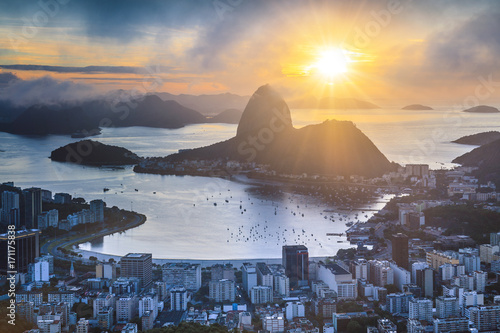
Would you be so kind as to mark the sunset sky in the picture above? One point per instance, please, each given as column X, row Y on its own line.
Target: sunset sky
column 385, row 51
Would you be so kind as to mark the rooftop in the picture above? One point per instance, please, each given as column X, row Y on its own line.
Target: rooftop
column 336, row 269
column 138, row 255
column 263, row 268
column 174, row 317
column 294, row 247
column 183, row 265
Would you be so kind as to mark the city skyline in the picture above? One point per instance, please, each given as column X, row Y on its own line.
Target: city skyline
column 249, row 166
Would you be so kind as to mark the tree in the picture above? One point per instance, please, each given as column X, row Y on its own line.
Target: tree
column 82, row 310
column 354, row 327
column 186, row 327
column 391, row 288
column 137, row 320
column 202, row 294
column 238, row 276
column 256, row 322
column 79, row 201
column 21, row 324
column 344, row 254
column 349, row 306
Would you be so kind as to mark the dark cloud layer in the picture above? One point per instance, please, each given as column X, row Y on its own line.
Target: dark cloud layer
column 462, row 52
column 7, row 78
column 92, row 69
column 44, row 90
column 472, row 48
column 123, row 20
column 231, row 38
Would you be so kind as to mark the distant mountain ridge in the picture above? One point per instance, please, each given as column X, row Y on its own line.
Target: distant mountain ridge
column 208, row 104
column 89, row 116
column 229, row 116
column 265, row 135
column 152, row 111
column 42, row 120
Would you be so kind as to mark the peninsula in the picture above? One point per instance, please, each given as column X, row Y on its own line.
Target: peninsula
column 266, row 136
column 479, row 139
column 487, row 161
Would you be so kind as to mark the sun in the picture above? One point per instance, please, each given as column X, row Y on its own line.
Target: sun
column 331, row 63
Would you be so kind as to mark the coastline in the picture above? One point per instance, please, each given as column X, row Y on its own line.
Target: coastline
column 256, row 178
column 203, row 262
column 72, row 242
column 141, row 219
column 51, row 246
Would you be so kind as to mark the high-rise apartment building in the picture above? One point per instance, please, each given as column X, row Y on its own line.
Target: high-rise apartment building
column 447, row 307
column 139, row 265
column 178, row 299
column 26, row 250
column 97, row 210
column 485, row 318
column 182, row 274
column 221, row 290
column 249, row 277
column 400, row 250
column 32, row 207
column 421, row 309
column 295, row 259
column 10, row 201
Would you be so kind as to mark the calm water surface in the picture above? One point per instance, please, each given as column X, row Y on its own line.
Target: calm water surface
column 182, row 223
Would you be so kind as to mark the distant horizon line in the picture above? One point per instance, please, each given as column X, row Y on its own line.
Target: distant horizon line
column 150, row 71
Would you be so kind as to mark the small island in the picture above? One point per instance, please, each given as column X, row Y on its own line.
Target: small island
column 479, row 139
column 417, row 107
column 482, row 109
column 89, row 152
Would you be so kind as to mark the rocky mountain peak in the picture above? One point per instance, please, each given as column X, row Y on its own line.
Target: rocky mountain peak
column 265, row 109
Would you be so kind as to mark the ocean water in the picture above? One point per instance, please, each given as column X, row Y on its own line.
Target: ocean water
column 201, row 218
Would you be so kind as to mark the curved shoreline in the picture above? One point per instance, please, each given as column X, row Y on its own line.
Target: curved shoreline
column 52, row 245
column 73, row 244
column 101, row 256
column 140, row 219
column 203, row 262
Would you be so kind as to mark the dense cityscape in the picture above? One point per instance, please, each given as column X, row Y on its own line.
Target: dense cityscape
column 319, row 166
column 407, row 270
